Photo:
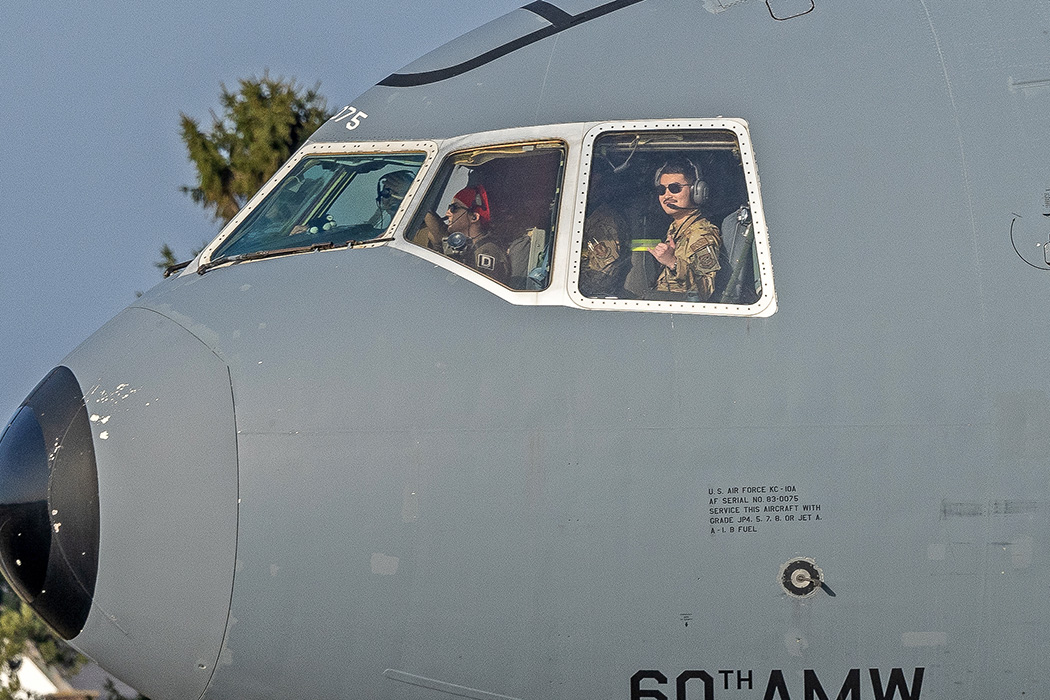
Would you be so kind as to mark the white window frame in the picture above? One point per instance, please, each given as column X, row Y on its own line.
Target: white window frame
column 430, row 148
column 570, row 135
column 563, row 289
column 766, row 304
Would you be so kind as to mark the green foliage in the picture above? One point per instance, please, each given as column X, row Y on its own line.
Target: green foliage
column 167, row 258
column 261, row 125
column 19, row 626
column 13, row 690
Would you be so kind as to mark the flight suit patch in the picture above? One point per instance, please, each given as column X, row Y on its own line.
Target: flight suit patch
column 707, row 261
column 486, row 262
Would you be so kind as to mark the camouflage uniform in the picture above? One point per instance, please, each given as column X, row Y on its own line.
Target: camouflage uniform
column 604, row 258
column 697, row 242
column 484, row 255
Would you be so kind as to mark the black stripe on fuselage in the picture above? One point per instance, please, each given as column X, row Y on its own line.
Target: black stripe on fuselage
column 553, row 14
column 559, row 22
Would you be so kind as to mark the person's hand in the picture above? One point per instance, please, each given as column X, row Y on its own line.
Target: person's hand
column 664, row 253
column 434, row 224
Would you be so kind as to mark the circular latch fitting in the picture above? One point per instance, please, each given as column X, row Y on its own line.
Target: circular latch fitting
column 801, row 577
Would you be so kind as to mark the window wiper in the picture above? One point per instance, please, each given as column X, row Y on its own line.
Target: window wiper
column 259, row 255
column 172, row 269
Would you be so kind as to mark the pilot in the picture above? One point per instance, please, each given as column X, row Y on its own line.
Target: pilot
column 469, row 239
column 390, row 191
column 689, row 254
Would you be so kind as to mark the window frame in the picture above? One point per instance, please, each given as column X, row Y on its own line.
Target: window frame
column 428, row 148
column 578, row 140
column 569, row 136
column 444, row 170
column 765, row 306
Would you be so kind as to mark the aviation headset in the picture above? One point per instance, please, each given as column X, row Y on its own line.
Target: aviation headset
column 458, row 240
column 382, row 188
column 698, row 192
column 480, row 205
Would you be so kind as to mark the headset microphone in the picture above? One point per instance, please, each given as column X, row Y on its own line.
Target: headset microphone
column 456, row 217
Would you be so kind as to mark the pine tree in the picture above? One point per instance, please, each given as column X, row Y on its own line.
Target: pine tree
column 262, row 124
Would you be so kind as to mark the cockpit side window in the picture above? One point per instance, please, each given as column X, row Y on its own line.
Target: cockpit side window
column 326, row 201
column 670, row 218
column 494, row 210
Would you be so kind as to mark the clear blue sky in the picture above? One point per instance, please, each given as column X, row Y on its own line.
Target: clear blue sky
column 91, row 161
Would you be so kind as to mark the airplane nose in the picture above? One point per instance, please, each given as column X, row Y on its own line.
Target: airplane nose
column 49, row 503
column 118, row 501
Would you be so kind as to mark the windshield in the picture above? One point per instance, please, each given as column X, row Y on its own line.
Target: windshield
column 332, row 200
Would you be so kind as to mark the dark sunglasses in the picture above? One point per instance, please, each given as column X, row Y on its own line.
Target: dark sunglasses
column 456, row 206
column 673, row 188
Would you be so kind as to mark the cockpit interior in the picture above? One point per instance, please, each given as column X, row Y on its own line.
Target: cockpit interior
column 587, row 215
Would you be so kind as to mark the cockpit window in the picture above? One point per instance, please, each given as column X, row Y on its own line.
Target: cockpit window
column 494, row 210
column 326, row 201
column 671, row 217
